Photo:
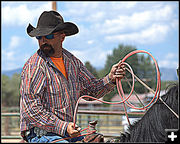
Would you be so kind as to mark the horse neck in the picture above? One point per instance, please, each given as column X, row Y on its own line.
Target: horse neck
column 151, row 127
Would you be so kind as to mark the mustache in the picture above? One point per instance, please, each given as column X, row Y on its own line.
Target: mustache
column 47, row 49
column 45, row 45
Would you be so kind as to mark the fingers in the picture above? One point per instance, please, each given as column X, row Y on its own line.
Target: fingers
column 118, row 65
column 118, row 68
column 117, row 71
column 120, row 71
column 118, row 75
column 73, row 132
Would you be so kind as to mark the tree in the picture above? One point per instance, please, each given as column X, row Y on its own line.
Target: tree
column 117, row 55
column 15, row 83
column 146, row 70
column 5, row 90
column 10, row 90
column 141, row 65
column 91, row 69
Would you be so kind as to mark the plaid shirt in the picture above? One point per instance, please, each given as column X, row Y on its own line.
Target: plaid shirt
column 48, row 99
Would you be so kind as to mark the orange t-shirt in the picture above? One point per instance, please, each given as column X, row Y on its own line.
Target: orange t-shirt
column 59, row 63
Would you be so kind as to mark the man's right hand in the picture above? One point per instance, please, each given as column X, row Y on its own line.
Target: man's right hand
column 73, row 132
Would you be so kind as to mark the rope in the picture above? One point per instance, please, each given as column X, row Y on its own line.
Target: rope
column 121, row 92
column 120, row 89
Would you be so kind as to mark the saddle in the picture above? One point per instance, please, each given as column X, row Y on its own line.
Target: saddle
column 94, row 137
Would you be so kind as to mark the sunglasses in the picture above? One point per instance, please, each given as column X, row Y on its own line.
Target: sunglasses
column 51, row 36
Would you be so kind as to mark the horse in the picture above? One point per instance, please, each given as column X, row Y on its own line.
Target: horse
column 152, row 126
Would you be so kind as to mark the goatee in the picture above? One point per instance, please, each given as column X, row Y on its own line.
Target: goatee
column 47, row 49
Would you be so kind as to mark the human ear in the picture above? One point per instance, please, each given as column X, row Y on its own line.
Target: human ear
column 62, row 37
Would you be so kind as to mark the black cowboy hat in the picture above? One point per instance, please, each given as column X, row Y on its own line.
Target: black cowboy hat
column 50, row 22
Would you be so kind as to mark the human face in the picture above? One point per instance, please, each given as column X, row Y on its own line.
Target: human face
column 51, row 44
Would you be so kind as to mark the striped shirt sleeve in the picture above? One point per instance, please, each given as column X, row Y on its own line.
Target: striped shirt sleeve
column 92, row 86
column 33, row 81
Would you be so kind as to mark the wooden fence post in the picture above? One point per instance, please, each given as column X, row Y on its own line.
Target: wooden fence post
column 54, row 6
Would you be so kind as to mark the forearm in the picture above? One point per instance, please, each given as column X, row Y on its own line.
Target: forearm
column 97, row 87
column 108, row 86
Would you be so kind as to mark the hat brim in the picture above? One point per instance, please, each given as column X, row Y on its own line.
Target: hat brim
column 68, row 28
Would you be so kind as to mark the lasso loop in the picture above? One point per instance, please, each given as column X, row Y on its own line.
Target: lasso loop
column 121, row 92
column 120, row 89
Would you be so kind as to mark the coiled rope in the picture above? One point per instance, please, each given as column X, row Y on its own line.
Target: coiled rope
column 120, row 89
column 121, row 92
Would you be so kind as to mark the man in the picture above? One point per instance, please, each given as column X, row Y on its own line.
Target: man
column 52, row 80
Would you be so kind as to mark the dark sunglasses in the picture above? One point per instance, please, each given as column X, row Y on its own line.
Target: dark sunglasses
column 51, row 36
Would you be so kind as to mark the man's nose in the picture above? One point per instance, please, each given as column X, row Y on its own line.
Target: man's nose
column 43, row 39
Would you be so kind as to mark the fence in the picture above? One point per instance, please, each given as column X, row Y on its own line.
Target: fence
column 109, row 123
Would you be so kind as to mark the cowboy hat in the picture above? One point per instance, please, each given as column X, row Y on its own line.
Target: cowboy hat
column 50, row 22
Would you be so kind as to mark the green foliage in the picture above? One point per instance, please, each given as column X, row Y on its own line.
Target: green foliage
column 91, row 69
column 117, row 55
column 146, row 70
column 142, row 67
column 10, row 90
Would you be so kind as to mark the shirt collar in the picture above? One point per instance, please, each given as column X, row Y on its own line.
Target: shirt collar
column 66, row 56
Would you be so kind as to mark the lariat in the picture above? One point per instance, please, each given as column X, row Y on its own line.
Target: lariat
column 124, row 99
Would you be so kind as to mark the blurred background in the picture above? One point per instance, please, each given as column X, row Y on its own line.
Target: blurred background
column 108, row 31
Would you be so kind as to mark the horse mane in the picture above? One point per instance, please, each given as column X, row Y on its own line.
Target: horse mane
column 151, row 127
